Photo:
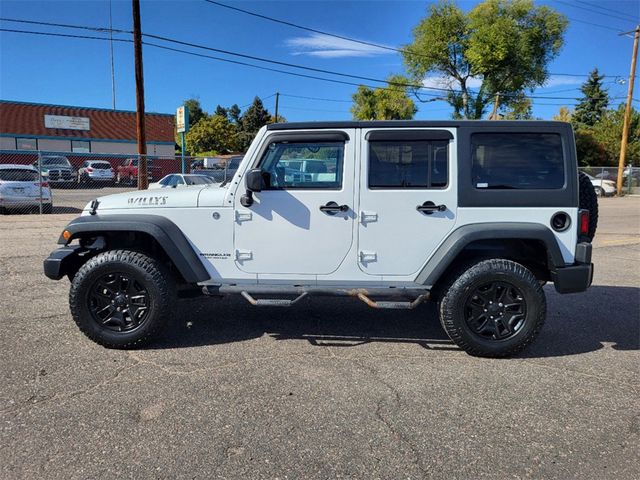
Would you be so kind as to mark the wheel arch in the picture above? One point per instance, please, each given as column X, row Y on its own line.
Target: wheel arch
column 138, row 231
column 526, row 242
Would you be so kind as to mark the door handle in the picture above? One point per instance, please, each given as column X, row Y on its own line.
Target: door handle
column 430, row 207
column 331, row 208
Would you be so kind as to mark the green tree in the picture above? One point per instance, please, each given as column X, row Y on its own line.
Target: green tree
column 506, row 44
column 212, row 134
column 563, row 115
column 223, row 112
column 254, row 118
column 593, row 105
column 234, row 113
column 517, row 107
column 390, row 103
column 196, row 113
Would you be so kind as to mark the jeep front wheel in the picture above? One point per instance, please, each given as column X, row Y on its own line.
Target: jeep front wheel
column 122, row 299
column 493, row 309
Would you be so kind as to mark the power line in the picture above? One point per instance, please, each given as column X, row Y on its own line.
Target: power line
column 106, row 30
column 66, row 25
column 617, row 17
column 406, row 85
column 309, row 29
column 314, row 98
column 593, row 5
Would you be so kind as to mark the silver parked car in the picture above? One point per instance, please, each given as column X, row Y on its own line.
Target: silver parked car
column 20, row 189
column 99, row 171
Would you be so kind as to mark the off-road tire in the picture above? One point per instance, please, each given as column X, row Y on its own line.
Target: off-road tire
column 147, row 271
column 588, row 201
column 461, row 286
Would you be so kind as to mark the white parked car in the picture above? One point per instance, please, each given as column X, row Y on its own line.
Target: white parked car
column 179, row 180
column 603, row 188
column 20, row 189
column 96, row 171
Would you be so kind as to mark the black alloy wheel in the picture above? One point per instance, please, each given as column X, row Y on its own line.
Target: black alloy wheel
column 495, row 310
column 118, row 302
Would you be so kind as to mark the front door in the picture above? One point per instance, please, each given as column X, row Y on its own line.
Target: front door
column 408, row 198
column 302, row 222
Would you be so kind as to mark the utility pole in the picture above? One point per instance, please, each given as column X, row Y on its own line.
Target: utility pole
column 143, row 180
column 627, row 111
column 277, row 98
column 113, row 73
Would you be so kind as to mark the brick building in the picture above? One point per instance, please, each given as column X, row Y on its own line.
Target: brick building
column 57, row 128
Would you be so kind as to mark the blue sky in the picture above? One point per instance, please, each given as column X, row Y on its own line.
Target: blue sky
column 77, row 72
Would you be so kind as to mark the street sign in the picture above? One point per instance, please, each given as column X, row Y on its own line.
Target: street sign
column 182, row 119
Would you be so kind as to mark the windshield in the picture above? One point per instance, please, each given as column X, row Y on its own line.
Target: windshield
column 197, row 180
column 18, row 175
column 101, row 166
column 48, row 161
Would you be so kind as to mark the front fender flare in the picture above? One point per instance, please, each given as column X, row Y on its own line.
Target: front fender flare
column 164, row 231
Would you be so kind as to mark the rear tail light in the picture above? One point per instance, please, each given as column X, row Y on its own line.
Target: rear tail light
column 89, row 169
column 584, row 222
column 43, row 184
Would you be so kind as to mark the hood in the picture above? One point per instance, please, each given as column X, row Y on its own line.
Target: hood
column 160, row 198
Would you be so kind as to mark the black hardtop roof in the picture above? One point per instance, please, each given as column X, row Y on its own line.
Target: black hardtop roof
column 413, row 124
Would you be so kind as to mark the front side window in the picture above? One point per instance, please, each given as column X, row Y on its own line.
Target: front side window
column 26, row 144
column 300, row 165
column 517, row 161
column 80, row 146
column 408, row 164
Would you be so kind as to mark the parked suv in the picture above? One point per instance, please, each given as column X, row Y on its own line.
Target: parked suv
column 21, row 189
column 475, row 216
column 96, row 171
column 57, row 170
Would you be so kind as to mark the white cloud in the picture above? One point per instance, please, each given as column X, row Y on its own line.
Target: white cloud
column 447, row 82
column 325, row 46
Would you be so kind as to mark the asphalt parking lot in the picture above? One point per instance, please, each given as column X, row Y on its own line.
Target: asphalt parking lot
column 327, row 389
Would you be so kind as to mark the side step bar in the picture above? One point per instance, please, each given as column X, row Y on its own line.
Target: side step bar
column 411, row 297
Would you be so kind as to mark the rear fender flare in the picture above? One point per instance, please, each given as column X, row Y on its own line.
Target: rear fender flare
column 456, row 242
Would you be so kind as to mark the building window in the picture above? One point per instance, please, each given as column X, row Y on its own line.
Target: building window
column 80, row 146
column 26, row 144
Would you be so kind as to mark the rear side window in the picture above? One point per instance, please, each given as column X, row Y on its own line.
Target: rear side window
column 408, row 164
column 18, row 175
column 517, row 161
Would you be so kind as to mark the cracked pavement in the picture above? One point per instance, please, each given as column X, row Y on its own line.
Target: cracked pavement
column 326, row 389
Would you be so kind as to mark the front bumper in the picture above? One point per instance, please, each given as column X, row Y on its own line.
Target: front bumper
column 56, row 264
column 577, row 277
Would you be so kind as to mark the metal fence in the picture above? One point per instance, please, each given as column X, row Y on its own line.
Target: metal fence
column 604, row 179
column 54, row 182
column 61, row 182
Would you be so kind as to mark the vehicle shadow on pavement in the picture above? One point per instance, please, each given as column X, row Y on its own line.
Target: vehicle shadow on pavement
column 577, row 323
column 322, row 322
column 586, row 322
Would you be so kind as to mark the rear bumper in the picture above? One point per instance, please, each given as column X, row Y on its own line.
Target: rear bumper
column 577, row 277
column 54, row 264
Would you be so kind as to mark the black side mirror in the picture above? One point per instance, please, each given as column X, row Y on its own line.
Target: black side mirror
column 255, row 183
column 255, row 180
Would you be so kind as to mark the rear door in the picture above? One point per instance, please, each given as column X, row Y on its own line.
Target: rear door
column 408, row 200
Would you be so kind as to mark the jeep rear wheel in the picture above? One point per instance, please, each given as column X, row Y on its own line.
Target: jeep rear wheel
column 493, row 309
column 122, row 299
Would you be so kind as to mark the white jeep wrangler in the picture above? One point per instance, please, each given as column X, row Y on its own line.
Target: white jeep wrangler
column 474, row 215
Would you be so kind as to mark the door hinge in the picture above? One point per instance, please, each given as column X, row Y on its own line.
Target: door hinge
column 366, row 256
column 244, row 255
column 243, row 216
column 367, row 217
